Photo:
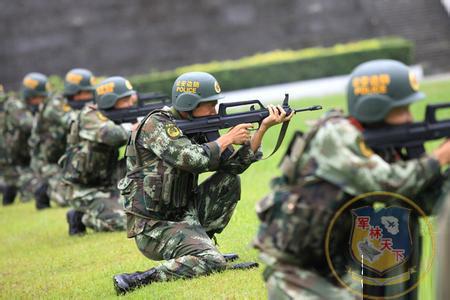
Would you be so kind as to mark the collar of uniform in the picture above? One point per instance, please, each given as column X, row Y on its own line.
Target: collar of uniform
column 175, row 113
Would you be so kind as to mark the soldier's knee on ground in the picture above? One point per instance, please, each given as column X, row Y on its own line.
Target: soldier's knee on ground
column 190, row 266
column 214, row 259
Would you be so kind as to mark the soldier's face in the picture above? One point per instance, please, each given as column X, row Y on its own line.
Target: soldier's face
column 36, row 100
column 125, row 102
column 205, row 109
column 399, row 115
column 83, row 96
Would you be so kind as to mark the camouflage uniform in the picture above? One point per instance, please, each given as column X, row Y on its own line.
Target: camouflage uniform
column 321, row 172
column 3, row 161
column 88, row 166
column 17, row 126
column 48, row 143
column 170, row 216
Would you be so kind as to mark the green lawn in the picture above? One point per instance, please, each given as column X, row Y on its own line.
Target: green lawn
column 39, row 260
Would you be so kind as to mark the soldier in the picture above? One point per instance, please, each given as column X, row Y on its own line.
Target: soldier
column 17, row 130
column 91, row 159
column 169, row 215
column 50, row 134
column 48, row 141
column 3, row 161
column 328, row 167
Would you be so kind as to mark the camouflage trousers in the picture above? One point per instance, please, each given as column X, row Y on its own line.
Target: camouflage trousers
column 49, row 175
column 186, row 245
column 291, row 282
column 100, row 206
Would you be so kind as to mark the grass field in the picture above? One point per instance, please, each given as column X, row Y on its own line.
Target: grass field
column 39, row 260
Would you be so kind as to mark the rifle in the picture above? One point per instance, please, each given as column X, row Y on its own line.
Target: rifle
column 143, row 108
column 210, row 125
column 410, row 136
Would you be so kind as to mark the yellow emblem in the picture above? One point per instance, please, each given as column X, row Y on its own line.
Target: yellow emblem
column 413, row 81
column 172, row 131
column 217, row 87
column 105, row 88
column 101, row 116
column 30, row 83
column 74, row 78
column 128, row 85
column 366, row 151
column 66, row 107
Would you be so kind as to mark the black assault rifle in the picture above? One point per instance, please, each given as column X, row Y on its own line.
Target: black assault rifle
column 209, row 126
column 147, row 103
column 410, row 136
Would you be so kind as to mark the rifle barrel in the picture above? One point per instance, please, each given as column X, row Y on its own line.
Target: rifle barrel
column 314, row 107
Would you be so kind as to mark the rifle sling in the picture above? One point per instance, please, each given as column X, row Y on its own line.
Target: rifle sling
column 281, row 136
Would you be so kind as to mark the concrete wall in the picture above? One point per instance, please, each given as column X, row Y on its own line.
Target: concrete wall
column 130, row 37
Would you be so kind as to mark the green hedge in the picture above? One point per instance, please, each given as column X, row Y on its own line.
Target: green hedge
column 282, row 66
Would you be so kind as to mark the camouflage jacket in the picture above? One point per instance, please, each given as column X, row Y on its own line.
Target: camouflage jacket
column 335, row 152
column 3, row 160
column 92, row 153
column 322, row 171
column 17, row 126
column 163, row 166
column 48, row 135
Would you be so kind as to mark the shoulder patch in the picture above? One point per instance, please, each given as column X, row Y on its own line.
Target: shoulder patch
column 172, row 130
column 66, row 107
column 101, row 116
column 366, row 151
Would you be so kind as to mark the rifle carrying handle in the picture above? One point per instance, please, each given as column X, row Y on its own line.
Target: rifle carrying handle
column 430, row 113
column 224, row 106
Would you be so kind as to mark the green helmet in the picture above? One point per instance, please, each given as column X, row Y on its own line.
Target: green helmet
column 190, row 89
column 78, row 80
column 378, row 86
column 110, row 90
column 34, row 84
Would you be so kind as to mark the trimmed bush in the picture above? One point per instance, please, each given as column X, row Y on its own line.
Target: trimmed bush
column 282, row 66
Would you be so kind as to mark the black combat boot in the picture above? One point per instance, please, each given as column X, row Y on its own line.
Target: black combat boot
column 230, row 256
column 124, row 283
column 244, row 266
column 42, row 198
column 9, row 194
column 76, row 226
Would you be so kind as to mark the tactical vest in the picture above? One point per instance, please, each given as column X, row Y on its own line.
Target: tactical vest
column 153, row 188
column 3, row 159
column 295, row 216
column 87, row 162
column 48, row 142
column 16, row 139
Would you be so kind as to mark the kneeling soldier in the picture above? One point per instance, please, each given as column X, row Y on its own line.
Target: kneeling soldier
column 170, row 216
column 91, row 159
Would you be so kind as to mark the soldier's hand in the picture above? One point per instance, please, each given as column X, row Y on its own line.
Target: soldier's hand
column 238, row 135
column 277, row 115
column 442, row 154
